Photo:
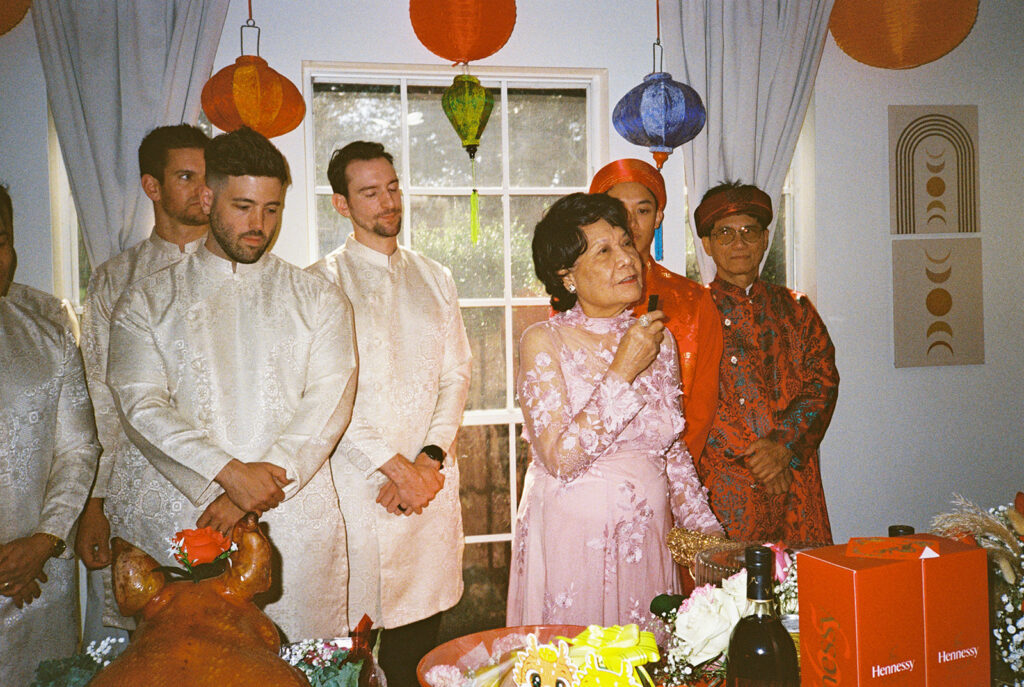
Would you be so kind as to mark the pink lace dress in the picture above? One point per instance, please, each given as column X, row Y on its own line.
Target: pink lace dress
column 608, row 476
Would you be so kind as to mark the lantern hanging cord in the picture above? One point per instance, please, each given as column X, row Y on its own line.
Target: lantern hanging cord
column 250, row 23
column 657, row 52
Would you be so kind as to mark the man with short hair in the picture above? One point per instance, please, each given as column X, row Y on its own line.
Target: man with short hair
column 398, row 486
column 48, row 453
column 172, row 174
column 778, row 383
column 690, row 312
column 234, row 373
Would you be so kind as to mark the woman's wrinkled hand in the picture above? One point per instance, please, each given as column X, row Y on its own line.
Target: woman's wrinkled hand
column 639, row 347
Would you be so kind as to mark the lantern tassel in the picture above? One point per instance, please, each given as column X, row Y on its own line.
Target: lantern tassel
column 474, row 217
column 474, row 205
column 659, row 248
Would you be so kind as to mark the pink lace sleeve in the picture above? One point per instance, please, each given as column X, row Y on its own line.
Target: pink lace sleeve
column 564, row 443
column 690, row 508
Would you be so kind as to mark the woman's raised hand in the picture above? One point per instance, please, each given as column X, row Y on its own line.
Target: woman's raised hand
column 639, row 346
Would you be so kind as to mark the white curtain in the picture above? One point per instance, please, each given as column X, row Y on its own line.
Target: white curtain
column 115, row 69
column 753, row 62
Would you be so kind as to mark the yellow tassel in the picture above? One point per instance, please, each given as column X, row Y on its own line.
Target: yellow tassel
column 474, row 217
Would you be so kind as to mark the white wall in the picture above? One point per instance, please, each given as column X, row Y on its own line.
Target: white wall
column 902, row 440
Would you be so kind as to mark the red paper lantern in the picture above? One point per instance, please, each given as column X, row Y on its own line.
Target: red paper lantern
column 250, row 93
column 463, row 30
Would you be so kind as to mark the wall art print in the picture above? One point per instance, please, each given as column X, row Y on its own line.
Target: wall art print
column 937, row 302
column 933, row 169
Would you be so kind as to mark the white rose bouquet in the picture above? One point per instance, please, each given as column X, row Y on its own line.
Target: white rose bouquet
column 700, row 629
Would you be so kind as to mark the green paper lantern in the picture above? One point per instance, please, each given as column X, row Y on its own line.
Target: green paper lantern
column 468, row 106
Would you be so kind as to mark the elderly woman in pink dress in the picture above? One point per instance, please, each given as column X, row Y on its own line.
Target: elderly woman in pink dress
column 599, row 389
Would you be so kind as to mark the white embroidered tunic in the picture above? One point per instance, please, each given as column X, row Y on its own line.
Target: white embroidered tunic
column 207, row 364
column 48, row 453
column 137, row 503
column 413, row 381
column 56, row 310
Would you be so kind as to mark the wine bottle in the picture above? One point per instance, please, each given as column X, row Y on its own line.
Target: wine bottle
column 761, row 652
column 900, row 530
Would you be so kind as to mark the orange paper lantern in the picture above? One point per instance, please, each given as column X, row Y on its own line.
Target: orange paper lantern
column 463, row 30
column 252, row 94
column 900, row 34
column 11, row 13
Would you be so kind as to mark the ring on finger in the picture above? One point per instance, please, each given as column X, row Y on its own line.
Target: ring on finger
column 402, row 508
column 644, row 320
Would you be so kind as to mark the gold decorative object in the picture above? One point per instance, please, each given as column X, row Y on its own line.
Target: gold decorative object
column 686, row 544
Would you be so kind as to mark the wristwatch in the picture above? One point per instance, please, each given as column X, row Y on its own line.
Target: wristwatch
column 434, row 452
column 58, row 544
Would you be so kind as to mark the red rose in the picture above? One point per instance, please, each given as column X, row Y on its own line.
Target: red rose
column 201, row 546
column 1018, row 503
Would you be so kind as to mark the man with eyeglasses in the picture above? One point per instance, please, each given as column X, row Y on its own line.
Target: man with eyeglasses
column 778, row 383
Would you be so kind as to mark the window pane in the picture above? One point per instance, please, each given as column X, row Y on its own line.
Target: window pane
column 486, row 330
column 485, row 569
column 437, row 158
column 522, row 317
column 547, row 131
column 522, row 462
column 526, row 211
column 440, row 230
column 482, row 452
column 775, row 266
column 343, row 113
column 84, row 269
column 331, row 228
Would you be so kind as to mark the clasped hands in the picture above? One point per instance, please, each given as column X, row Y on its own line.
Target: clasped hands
column 21, row 567
column 248, row 487
column 769, row 463
column 410, row 487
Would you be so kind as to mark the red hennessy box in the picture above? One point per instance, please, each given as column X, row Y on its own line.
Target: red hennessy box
column 956, row 629
column 886, row 611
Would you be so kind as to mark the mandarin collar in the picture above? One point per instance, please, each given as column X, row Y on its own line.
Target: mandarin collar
column 374, row 257
column 598, row 325
column 165, row 246
column 219, row 265
column 756, row 288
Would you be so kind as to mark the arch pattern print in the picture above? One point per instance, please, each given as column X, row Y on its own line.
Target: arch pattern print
column 933, row 169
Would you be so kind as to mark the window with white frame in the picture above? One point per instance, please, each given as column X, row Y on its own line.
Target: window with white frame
column 543, row 139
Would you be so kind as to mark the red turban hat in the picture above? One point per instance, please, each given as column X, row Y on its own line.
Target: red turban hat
column 733, row 200
column 628, row 169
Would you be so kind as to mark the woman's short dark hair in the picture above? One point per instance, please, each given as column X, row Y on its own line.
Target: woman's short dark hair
column 558, row 239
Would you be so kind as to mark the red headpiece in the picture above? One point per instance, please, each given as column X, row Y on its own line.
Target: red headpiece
column 628, row 169
column 744, row 200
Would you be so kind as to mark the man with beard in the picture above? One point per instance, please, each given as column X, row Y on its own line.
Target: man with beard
column 48, row 453
column 399, row 488
column 173, row 173
column 234, row 373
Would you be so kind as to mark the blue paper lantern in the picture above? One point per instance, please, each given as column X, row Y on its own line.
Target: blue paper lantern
column 659, row 114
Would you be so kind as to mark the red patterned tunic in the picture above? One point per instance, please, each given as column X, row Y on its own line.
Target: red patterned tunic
column 778, row 380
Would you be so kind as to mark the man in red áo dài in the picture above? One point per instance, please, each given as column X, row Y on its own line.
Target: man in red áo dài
column 691, row 314
column 778, row 383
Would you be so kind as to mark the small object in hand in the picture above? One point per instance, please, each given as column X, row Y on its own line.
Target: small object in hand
column 644, row 320
column 652, row 302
